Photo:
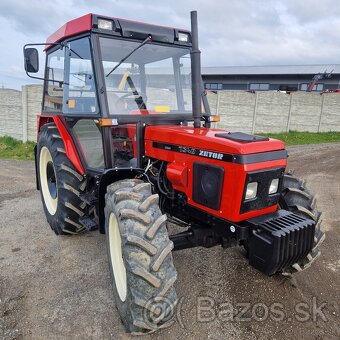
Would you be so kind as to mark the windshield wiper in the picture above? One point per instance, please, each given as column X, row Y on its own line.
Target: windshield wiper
column 133, row 51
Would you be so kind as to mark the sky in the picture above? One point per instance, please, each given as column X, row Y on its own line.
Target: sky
column 231, row 32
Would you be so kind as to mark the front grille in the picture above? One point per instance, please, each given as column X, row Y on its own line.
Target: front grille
column 207, row 184
column 279, row 240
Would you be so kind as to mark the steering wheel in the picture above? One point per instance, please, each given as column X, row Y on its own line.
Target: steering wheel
column 122, row 100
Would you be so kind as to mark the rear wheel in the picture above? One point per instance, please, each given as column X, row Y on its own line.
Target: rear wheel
column 140, row 259
column 60, row 183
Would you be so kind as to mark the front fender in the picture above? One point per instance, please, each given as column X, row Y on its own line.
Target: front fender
column 108, row 177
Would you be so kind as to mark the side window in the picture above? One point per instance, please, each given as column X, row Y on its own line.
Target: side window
column 89, row 137
column 259, row 86
column 54, row 89
column 303, row 87
column 80, row 86
column 124, row 145
column 318, row 87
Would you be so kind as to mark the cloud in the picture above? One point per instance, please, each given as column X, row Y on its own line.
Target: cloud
column 35, row 17
column 233, row 32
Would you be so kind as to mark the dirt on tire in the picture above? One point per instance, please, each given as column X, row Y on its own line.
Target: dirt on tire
column 58, row 287
column 150, row 298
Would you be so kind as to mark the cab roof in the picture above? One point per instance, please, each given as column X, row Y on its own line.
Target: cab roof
column 121, row 27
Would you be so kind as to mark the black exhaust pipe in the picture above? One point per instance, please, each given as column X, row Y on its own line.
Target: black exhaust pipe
column 196, row 78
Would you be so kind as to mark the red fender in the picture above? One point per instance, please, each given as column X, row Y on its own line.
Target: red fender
column 70, row 149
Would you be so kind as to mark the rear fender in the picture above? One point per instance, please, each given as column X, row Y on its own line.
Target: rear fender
column 70, row 148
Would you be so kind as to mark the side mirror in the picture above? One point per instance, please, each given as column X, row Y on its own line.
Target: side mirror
column 31, row 56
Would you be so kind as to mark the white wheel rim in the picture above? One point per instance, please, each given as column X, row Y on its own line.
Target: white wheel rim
column 118, row 266
column 44, row 159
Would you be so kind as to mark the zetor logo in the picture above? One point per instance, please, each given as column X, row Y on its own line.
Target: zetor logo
column 210, row 154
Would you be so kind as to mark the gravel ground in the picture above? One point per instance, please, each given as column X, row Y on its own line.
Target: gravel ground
column 58, row 287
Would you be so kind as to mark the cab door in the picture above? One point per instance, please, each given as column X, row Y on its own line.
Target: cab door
column 80, row 103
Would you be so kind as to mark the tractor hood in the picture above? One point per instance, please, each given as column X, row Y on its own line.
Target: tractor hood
column 190, row 153
column 215, row 140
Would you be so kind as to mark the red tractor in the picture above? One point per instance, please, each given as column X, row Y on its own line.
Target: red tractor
column 125, row 145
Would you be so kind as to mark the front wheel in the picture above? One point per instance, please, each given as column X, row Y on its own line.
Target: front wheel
column 295, row 197
column 140, row 259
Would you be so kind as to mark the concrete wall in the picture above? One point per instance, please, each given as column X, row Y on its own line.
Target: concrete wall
column 18, row 112
column 276, row 111
column 239, row 111
column 34, row 99
column 10, row 113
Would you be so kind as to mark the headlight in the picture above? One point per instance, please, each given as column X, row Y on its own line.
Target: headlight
column 274, row 186
column 184, row 37
column 105, row 24
column 251, row 191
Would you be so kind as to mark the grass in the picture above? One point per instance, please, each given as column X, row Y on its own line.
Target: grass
column 11, row 148
column 14, row 149
column 299, row 138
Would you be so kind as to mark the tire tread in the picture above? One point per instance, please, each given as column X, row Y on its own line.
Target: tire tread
column 147, row 249
column 70, row 184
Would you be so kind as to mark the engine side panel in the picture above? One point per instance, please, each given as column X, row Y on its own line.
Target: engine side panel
column 182, row 151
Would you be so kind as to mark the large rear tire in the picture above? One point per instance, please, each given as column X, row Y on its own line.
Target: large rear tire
column 140, row 259
column 60, row 184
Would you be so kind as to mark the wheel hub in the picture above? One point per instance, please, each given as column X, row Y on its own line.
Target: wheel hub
column 48, row 180
column 51, row 180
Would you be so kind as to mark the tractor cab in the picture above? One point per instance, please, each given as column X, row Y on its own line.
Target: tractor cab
column 125, row 144
column 109, row 77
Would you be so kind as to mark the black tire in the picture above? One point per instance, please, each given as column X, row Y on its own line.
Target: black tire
column 295, row 197
column 64, row 216
column 148, row 301
column 298, row 199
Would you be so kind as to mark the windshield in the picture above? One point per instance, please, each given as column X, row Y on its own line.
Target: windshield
column 153, row 79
